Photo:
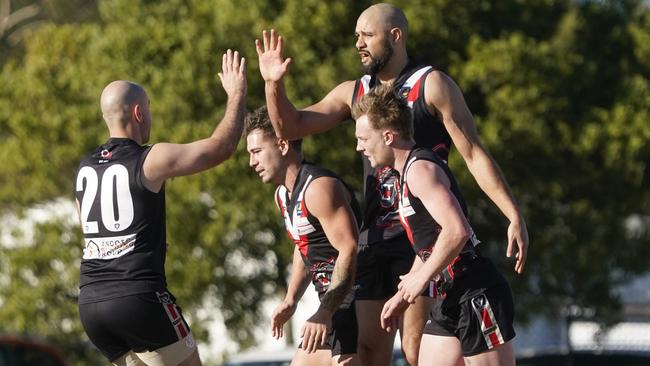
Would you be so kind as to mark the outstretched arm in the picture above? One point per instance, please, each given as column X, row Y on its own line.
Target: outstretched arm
column 445, row 99
column 290, row 123
column 328, row 200
column 168, row 160
column 298, row 283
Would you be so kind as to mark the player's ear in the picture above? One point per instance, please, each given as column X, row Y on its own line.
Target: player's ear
column 137, row 113
column 396, row 35
column 388, row 137
column 283, row 145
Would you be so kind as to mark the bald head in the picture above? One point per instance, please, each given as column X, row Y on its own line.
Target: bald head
column 387, row 16
column 118, row 100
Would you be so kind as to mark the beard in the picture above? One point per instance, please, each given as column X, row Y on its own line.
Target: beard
column 379, row 62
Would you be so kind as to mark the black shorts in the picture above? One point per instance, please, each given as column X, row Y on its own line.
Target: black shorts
column 379, row 266
column 343, row 336
column 480, row 323
column 141, row 322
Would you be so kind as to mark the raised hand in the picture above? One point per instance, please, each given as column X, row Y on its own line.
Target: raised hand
column 272, row 65
column 233, row 74
column 281, row 315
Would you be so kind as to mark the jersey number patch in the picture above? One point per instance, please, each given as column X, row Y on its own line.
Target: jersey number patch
column 114, row 191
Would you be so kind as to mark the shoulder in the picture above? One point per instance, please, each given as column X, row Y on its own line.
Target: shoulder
column 438, row 81
column 344, row 91
column 441, row 90
column 423, row 174
column 323, row 194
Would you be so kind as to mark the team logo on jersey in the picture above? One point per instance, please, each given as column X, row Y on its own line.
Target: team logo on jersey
column 404, row 92
column 386, row 187
column 164, row 297
column 479, row 302
column 108, row 247
column 91, row 250
column 106, row 156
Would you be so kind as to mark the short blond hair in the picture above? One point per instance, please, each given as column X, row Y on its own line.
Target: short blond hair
column 385, row 110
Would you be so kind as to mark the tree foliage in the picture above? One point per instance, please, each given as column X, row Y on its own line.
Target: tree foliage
column 559, row 90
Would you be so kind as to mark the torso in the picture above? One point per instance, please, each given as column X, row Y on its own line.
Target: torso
column 305, row 230
column 421, row 229
column 123, row 224
column 380, row 216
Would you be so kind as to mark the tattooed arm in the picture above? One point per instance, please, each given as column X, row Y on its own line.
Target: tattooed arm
column 329, row 201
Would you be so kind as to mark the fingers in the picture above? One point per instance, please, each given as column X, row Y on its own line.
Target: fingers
column 308, row 340
column 286, row 63
column 277, row 332
column 280, row 44
column 511, row 244
column 265, row 40
column 242, row 66
column 313, row 337
column 271, row 41
column 224, row 61
column 277, row 329
column 274, row 40
column 235, row 61
column 521, row 257
column 384, row 318
column 258, row 47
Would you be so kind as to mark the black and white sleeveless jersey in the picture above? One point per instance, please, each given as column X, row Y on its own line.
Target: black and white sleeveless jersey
column 421, row 229
column 472, row 273
column 305, row 229
column 123, row 224
column 380, row 217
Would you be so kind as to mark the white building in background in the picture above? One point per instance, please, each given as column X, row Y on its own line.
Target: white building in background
column 631, row 335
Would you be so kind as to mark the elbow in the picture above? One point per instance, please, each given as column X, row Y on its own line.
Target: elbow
column 283, row 132
column 349, row 254
column 460, row 234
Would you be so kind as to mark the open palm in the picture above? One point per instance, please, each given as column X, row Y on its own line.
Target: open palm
column 272, row 65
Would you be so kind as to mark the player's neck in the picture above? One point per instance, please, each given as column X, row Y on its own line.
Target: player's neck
column 401, row 151
column 393, row 68
column 291, row 174
column 121, row 133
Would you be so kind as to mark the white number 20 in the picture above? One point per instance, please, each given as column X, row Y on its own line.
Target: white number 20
column 114, row 188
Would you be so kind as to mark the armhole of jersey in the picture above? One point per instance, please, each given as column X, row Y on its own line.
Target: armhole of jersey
column 357, row 84
column 303, row 193
column 423, row 100
column 406, row 170
column 140, row 172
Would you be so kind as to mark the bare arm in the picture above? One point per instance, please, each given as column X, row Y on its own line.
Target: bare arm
column 289, row 122
column 299, row 280
column 168, row 160
column 445, row 99
column 327, row 199
column 298, row 283
column 430, row 184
